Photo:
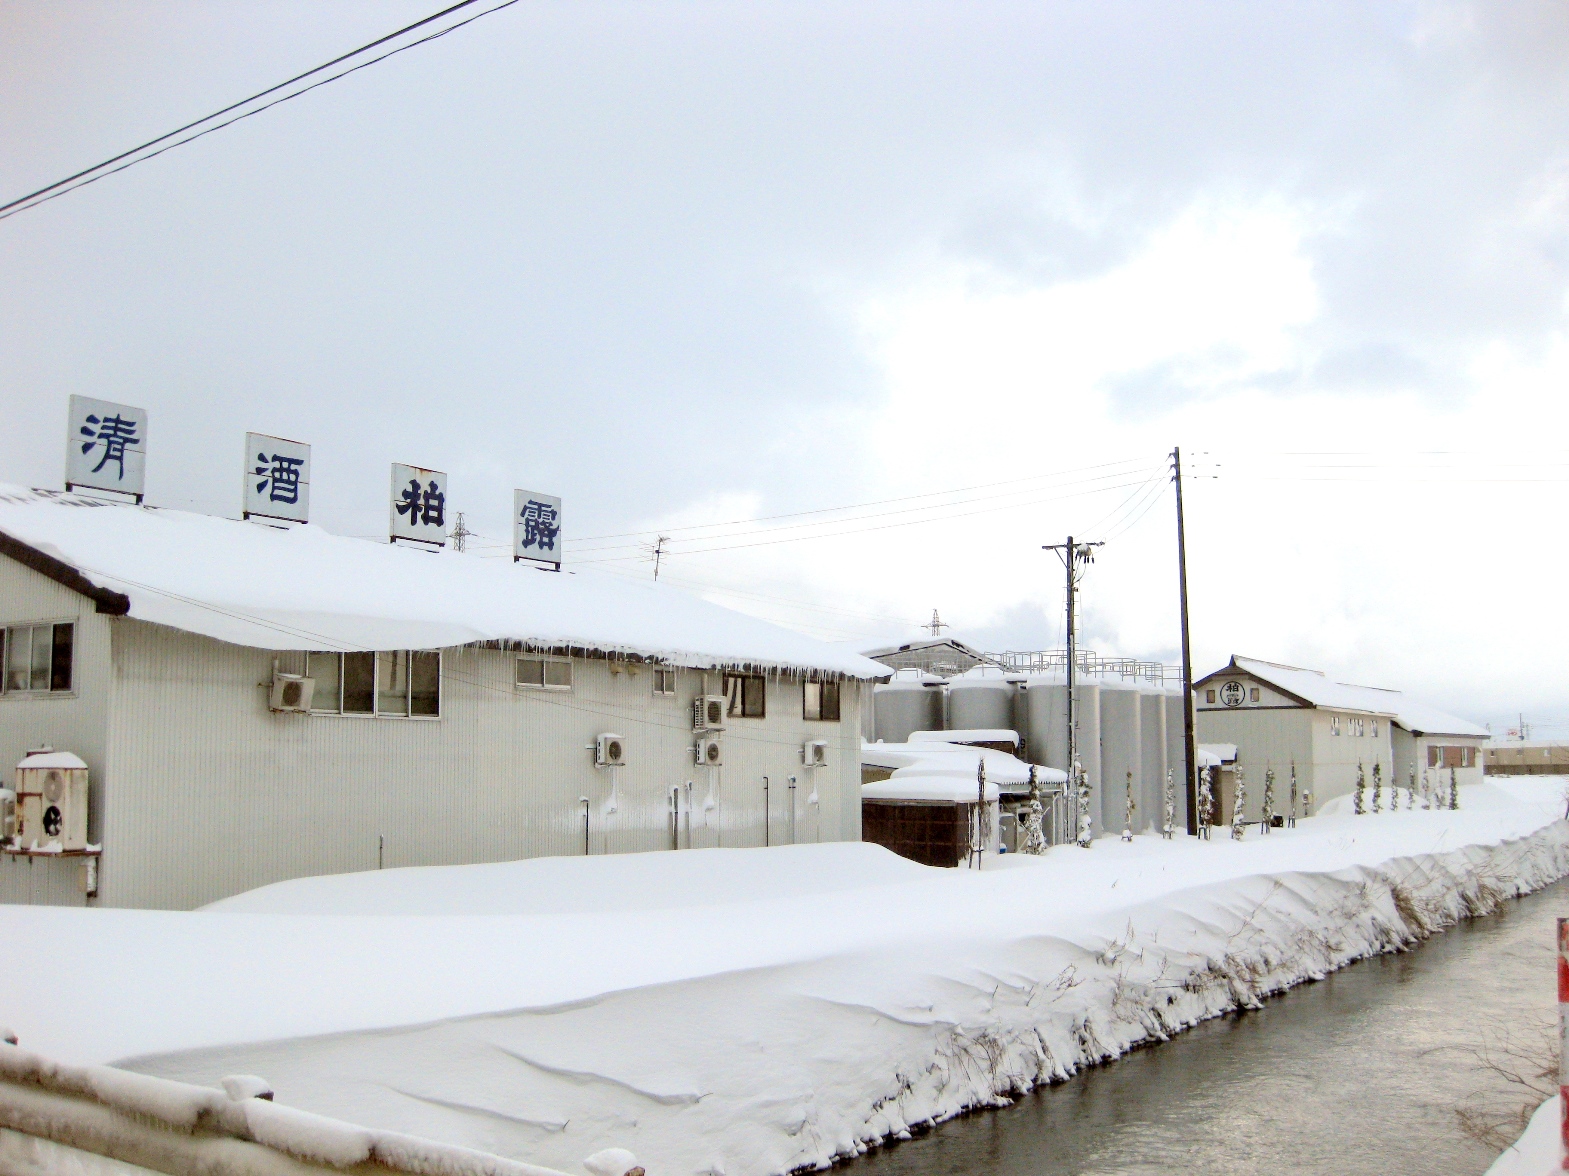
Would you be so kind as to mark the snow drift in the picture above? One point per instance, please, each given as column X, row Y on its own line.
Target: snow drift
column 747, row 1011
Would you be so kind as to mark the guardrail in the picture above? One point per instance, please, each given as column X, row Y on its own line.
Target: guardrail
column 100, row 1121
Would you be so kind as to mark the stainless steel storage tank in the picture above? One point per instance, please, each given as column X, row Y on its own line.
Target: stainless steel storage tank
column 1120, row 752
column 1152, row 757
column 911, row 700
column 981, row 699
column 1176, row 755
column 1047, row 699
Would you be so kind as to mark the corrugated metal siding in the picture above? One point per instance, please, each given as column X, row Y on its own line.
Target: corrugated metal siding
column 214, row 794
column 1265, row 738
column 75, row 722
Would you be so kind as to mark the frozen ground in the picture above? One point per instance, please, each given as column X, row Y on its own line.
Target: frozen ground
column 744, row 1011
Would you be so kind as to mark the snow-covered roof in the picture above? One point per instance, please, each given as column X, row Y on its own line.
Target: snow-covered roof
column 1421, row 719
column 1213, row 755
column 945, row 771
column 304, row 588
column 51, row 759
column 973, row 735
column 1314, row 688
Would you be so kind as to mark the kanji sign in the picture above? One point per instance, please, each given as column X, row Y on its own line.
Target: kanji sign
column 106, row 446
column 277, row 478
column 419, row 505
column 536, row 527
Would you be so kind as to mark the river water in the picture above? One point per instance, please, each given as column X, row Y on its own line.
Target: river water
column 1360, row 1073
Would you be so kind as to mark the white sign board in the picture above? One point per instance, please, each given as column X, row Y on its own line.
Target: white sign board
column 419, row 505
column 277, row 478
column 536, row 527
column 106, row 448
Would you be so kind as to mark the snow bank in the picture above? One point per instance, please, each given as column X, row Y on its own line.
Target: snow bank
column 1536, row 1152
column 745, row 1011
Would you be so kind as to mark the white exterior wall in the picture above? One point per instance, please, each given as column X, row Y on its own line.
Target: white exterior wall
column 214, row 794
column 1337, row 757
column 1266, row 737
column 1413, row 749
column 76, row 721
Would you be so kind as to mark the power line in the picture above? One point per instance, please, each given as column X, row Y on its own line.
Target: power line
column 103, row 170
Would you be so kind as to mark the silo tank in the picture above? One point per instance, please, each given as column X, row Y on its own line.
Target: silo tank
column 981, row 699
column 909, row 701
column 1120, row 752
column 1046, row 703
column 1152, row 758
column 1176, row 754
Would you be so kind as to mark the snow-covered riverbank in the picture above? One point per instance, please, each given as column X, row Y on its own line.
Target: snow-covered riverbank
column 745, row 1011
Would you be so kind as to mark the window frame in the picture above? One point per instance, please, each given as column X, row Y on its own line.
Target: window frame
column 741, row 712
column 823, row 689
column 336, row 710
column 545, row 660
column 667, row 675
column 53, row 626
column 1334, row 724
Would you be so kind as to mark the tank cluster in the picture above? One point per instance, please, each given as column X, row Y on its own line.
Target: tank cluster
column 1129, row 727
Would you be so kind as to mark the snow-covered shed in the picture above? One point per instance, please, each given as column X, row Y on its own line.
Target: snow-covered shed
column 1282, row 716
column 257, row 703
column 1427, row 739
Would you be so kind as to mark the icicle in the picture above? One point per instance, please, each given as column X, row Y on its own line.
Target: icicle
column 1238, row 806
column 1171, row 807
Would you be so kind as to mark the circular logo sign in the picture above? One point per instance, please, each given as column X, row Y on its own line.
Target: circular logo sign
column 1232, row 693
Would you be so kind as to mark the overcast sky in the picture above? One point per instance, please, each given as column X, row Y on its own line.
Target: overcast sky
column 689, row 264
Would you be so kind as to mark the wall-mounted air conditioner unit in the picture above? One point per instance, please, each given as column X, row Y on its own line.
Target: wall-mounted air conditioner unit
column 609, row 751
column 708, row 713
column 814, row 753
column 51, row 800
column 7, row 814
column 291, row 693
column 710, row 751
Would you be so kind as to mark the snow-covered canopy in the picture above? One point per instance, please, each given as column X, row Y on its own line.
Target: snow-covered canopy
column 52, row 759
column 1312, row 687
column 945, row 771
column 304, row 588
column 971, row 735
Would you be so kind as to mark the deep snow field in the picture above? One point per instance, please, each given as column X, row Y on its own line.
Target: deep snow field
column 745, row 1011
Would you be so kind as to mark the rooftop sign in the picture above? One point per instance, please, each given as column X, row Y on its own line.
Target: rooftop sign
column 536, row 527
column 106, row 446
column 418, row 507
column 277, row 478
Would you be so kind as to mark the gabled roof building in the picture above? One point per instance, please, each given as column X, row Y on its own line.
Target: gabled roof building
column 1283, row 716
column 257, row 703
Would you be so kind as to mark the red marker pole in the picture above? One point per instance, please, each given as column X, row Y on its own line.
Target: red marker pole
column 1563, row 1043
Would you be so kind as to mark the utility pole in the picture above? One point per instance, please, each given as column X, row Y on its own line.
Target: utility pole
column 1073, row 555
column 1189, row 748
column 659, row 551
column 460, row 535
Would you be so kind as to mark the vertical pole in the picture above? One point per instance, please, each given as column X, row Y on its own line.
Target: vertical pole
column 767, row 810
column 1563, row 1043
column 1073, row 726
column 583, row 800
column 1188, row 743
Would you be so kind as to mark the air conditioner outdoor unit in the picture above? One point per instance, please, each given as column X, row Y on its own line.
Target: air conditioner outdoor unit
column 814, row 753
column 609, row 751
column 7, row 814
column 51, row 800
column 291, row 693
column 708, row 713
column 710, row 751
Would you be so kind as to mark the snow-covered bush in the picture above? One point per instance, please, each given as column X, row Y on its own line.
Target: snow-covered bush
column 1378, row 785
column 1356, row 798
column 1269, row 799
column 1239, row 800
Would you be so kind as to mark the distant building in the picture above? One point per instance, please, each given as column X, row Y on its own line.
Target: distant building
column 1282, row 717
column 947, row 656
column 255, row 704
column 1528, row 758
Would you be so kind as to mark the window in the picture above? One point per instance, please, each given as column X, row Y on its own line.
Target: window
column 1450, row 757
column 664, row 681
column 820, row 700
column 1375, row 728
column 37, row 658
column 1253, row 694
column 744, row 696
column 1334, row 724
column 1359, row 727
column 1209, row 696
column 397, row 683
column 543, row 673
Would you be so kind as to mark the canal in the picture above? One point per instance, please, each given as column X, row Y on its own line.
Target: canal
column 1360, row 1074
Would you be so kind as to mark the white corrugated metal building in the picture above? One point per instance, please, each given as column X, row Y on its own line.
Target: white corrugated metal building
column 1283, row 716
column 457, row 702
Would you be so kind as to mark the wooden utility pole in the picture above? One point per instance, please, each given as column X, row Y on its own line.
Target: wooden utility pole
column 1188, row 744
